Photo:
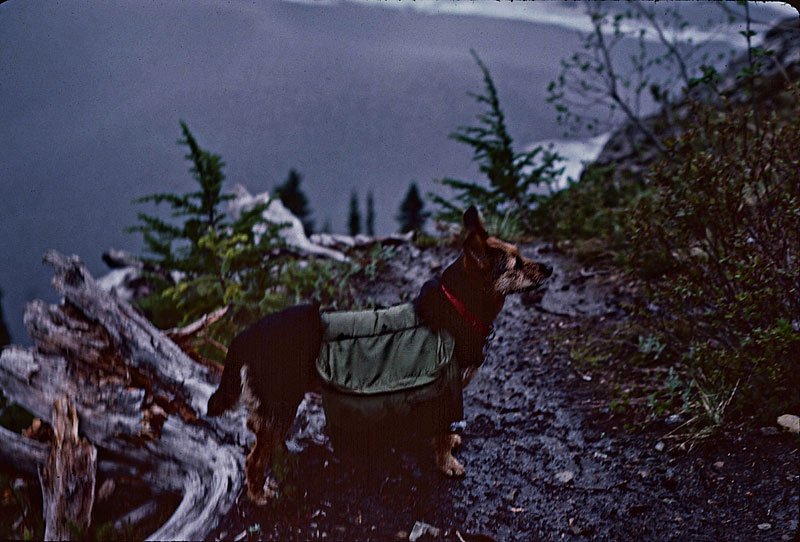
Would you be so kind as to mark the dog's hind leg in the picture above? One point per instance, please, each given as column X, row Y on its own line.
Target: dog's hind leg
column 443, row 445
column 268, row 436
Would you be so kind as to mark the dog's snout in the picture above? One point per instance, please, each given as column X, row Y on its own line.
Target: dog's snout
column 546, row 270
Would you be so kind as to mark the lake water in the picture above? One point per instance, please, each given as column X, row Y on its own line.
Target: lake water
column 356, row 96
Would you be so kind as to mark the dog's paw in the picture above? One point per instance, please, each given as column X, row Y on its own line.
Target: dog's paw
column 262, row 498
column 451, row 467
column 264, row 495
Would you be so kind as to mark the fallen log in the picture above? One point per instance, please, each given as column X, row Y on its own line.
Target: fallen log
column 139, row 399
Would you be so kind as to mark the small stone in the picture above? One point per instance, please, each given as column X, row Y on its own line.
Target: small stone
column 511, row 496
column 674, row 419
column 564, row 477
column 660, row 446
column 420, row 529
column 790, row 422
column 719, row 464
column 769, row 431
column 764, row 526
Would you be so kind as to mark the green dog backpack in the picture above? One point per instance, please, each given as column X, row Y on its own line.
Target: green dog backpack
column 380, row 367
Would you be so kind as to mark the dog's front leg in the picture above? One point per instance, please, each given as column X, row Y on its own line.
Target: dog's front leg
column 258, row 460
column 443, row 445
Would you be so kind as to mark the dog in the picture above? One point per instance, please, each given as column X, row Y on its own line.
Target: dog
column 272, row 364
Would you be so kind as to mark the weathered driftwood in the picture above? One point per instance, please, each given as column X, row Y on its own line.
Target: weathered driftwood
column 138, row 397
column 68, row 476
column 183, row 336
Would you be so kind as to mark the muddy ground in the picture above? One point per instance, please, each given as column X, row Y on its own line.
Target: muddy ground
column 545, row 458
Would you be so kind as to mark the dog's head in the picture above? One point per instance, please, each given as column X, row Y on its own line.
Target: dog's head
column 496, row 264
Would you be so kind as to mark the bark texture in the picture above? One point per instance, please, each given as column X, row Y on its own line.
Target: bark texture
column 68, row 477
column 139, row 400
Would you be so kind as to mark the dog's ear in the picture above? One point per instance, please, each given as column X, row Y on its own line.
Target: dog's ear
column 472, row 222
column 476, row 250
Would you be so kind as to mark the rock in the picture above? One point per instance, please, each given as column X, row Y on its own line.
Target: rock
column 660, row 446
column 790, row 422
column 511, row 496
column 421, row 529
column 764, row 526
column 674, row 419
column 309, row 426
column 564, row 477
column 769, row 431
column 719, row 464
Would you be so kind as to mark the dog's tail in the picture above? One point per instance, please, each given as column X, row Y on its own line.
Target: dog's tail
column 230, row 387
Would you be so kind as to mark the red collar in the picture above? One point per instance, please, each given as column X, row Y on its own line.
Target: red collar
column 473, row 321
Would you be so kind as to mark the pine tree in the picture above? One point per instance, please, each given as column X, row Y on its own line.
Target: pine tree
column 512, row 175
column 177, row 248
column 411, row 216
column 370, row 214
column 218, row 261
column 295, row 199
column 354, row 219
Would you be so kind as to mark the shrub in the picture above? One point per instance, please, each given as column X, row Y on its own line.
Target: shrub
column 594, row 208
column 512, row 175
column 206, row 261
column 721, row 231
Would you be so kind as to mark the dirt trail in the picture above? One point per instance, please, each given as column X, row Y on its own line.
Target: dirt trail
column 543, row 457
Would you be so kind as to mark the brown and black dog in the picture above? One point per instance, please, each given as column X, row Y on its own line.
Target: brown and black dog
column 272, row 363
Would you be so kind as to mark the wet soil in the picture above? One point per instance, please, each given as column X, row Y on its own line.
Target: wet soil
column 545, row 459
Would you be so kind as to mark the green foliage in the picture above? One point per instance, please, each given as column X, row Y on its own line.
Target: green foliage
column 293, row 197
column 710, row 232
column 217, row 261
column 177, row 248
column 512, row 175
column 13, row 417
column 354, row 216
column 720, row 229
column 594, row 208
column 411, row 215
column 208, row 260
